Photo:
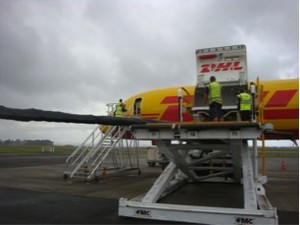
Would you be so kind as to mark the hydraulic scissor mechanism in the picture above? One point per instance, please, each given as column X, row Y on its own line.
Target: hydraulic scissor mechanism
column 204, row 152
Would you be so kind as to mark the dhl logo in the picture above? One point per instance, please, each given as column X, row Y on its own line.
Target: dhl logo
column 223, row 66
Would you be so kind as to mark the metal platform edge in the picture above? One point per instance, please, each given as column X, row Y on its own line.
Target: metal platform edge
column 196, row 214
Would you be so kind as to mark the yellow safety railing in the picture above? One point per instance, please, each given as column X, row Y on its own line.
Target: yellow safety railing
column 260, row 119
column 187, row 102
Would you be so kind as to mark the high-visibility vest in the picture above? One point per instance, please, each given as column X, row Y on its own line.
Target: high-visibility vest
column 245, row 101
column 119, row 110
column 214, row 94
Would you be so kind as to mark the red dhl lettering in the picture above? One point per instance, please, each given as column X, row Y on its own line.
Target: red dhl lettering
column 174, row 99
column 281, row 98
column 223, row 66
column 171, row 114
column 281, row 114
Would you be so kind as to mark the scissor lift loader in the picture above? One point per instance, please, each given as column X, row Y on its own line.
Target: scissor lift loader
column 224, row 155
column 222, row 141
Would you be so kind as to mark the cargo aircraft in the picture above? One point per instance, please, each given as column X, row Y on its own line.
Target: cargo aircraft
column 279, row 103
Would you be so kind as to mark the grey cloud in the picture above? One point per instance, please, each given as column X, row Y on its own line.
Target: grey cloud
column 76, row 56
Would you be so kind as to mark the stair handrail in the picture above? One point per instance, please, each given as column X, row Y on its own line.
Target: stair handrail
column 80, row 147
column 92, row 152
column 84, row 146
column 186, row 102
column 120, row 135
column 108, row 134
column 115, row 137
column 130, row 113
column 87, row 148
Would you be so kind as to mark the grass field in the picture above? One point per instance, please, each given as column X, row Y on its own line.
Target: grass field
column 271, row 152
column 281, row 152
column 33, row 149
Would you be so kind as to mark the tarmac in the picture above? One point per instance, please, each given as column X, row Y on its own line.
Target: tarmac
column 33, row 191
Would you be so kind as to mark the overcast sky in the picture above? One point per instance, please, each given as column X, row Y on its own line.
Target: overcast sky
column 77, row 55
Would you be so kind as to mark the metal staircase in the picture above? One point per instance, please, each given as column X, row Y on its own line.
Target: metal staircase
column 94, row 154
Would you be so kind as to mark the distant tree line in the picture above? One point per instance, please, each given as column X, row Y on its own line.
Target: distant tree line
column 25, row 142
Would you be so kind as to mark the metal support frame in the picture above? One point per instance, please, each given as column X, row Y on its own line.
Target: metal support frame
column 166, row 183
column 225, row 157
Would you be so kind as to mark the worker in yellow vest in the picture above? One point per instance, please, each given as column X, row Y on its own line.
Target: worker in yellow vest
column 120, row 109
column 244, row 105
column 214, row 97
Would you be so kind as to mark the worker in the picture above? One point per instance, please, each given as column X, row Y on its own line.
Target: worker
column 213, row 95
column 120, row 109
column 244, row 105
column 137, row 107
